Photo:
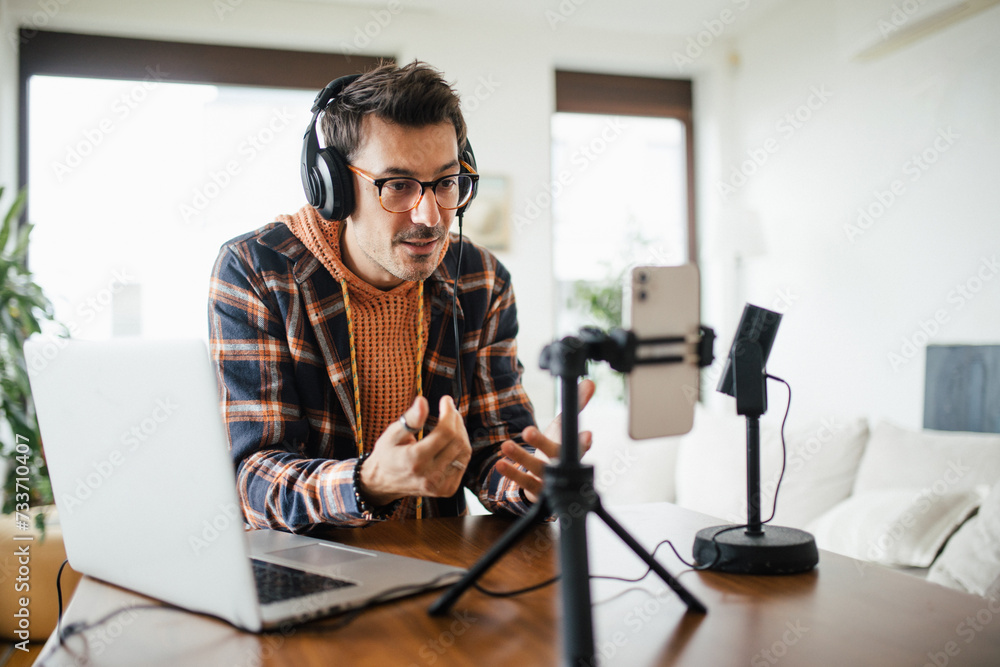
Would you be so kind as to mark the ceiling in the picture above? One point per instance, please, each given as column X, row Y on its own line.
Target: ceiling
column 651, row 17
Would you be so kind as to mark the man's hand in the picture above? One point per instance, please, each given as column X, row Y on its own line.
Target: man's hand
column 399, row 465
column 547, row 446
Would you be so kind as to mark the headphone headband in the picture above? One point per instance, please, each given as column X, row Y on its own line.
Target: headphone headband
column 332, row 90
column 326, row 180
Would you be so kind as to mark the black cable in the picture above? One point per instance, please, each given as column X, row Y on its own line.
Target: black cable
column 78, row 627
column 693, row 566
column 646, row 574
column 454, row 317
column 59, row 596
column 774, row 507
column 64, row 633
column 784, row 449
column 777, row 488
column 519, row 591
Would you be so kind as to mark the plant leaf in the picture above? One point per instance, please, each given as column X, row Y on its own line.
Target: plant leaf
column 10, row 220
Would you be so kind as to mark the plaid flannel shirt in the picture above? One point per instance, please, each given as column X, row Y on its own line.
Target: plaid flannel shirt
column 280, row 344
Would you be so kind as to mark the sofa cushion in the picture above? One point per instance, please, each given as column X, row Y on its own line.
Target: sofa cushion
column 971, row 559
column 941, row 461
column 901, row 527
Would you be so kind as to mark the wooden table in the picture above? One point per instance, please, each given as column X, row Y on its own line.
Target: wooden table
column 844, row 613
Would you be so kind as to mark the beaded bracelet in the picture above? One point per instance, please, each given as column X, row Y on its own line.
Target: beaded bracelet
column 367, row 511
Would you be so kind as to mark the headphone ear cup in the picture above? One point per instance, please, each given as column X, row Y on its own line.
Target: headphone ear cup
column 335, row 184
column 327, row 182
column 469, row 158
column 311, row 183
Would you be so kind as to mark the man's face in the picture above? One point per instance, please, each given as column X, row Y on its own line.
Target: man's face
column 384, row 248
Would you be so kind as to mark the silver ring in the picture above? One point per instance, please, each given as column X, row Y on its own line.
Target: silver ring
column 410, row 429
column 457, row 464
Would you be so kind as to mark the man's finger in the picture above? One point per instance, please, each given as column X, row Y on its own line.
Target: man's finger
column 449, row 436
column 585, row 392
column 523, row 457
column 541, row 441
column 530, row 483
column 414, row 418
column 448, row 411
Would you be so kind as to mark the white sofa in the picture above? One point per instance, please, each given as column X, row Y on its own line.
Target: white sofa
column 920, row 500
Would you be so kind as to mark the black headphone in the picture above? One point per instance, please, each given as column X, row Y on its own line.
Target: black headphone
column 326, row 179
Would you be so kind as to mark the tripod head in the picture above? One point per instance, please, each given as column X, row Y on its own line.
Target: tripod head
column 621, row 348
column 568, row 357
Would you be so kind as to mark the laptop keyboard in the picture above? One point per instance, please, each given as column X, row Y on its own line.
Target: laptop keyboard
column 277, row 582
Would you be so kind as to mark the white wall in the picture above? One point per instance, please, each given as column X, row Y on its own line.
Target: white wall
column 861, row 298
column 848, row 305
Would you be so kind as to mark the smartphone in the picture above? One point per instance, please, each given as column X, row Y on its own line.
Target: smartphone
column 663, row 302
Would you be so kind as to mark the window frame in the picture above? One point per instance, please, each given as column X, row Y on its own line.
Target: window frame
column 104, row 57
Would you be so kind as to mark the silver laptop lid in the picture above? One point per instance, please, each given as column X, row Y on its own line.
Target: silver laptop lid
column 140, row 470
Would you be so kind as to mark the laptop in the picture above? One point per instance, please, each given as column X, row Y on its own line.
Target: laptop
column 141, row 473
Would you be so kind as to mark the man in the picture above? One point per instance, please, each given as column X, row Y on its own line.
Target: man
column 333, row 339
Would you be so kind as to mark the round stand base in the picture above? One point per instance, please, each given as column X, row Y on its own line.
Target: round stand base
column 777, row 550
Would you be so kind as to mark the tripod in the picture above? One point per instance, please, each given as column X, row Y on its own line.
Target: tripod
column 569, row 494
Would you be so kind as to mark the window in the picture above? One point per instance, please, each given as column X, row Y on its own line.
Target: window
column 621, row 156
column 138, row 172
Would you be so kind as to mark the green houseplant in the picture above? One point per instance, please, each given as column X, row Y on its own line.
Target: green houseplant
column 23, row 309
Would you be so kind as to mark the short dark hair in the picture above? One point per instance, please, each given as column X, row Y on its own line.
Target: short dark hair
column 414, row 95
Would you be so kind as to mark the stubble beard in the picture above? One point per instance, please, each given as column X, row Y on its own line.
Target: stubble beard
column 395, row 259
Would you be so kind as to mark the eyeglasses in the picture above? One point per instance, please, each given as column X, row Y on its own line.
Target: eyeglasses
column 399, row 194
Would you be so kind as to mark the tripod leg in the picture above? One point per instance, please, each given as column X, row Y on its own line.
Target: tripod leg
column 443, row 604
column 693, row 604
